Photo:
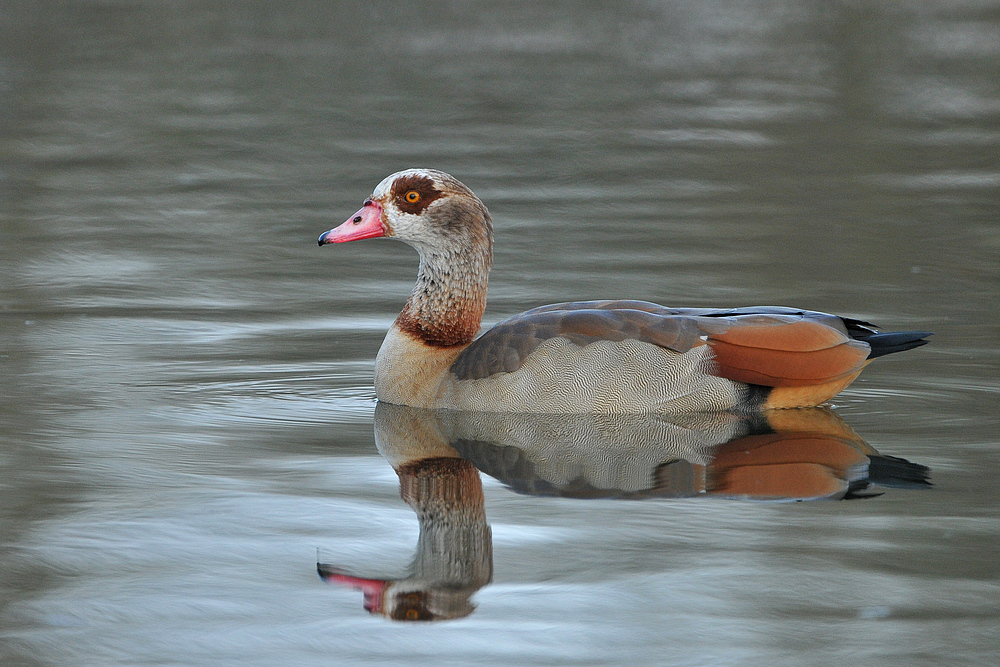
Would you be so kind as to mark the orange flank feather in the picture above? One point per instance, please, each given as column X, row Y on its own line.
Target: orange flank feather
column 779, row 354
column 782, row 332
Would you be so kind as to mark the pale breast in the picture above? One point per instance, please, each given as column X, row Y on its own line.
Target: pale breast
column 626, row 376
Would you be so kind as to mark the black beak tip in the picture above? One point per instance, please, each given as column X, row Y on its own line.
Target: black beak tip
column 322, row 238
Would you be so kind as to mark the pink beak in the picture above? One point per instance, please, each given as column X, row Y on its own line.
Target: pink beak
column 365, row 224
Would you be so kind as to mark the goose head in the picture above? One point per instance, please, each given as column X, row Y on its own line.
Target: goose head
column 428, row 209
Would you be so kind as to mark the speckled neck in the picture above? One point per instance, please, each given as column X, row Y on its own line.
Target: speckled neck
column 447, row 303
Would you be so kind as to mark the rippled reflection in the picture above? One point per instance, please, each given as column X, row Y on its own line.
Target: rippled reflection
column 784, row 455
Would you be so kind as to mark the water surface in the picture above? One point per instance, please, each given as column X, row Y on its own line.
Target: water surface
column 187, row 405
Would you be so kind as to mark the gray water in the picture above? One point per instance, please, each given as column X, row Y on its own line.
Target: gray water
column 187, row 412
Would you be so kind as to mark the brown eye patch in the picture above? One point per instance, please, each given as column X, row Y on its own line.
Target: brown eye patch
column 414, row 193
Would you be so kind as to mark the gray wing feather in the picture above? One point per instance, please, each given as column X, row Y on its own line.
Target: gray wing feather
column 504, row 348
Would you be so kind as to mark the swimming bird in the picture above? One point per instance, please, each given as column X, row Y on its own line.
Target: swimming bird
column 605, row 357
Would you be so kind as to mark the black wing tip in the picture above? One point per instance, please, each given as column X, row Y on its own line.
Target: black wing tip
column 894, row 472
column 896, row 341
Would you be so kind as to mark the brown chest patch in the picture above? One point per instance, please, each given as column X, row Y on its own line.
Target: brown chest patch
column 439, row 332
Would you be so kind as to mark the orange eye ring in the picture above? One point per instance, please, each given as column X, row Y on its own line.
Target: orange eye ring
column 412, row 197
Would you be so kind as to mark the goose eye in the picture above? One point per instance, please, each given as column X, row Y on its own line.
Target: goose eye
column 412, row 196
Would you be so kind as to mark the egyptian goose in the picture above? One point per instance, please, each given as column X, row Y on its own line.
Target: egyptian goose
column 591, row 356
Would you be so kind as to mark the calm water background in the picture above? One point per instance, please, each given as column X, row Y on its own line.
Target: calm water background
column 186, row 378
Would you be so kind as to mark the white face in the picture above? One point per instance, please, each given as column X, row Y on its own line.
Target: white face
column 413, row 228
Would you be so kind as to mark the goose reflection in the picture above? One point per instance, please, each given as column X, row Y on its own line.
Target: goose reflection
column 454, row 556
column 784, row 455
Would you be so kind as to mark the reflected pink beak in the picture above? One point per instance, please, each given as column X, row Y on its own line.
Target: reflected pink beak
column 372, row 588
column 365, row 224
